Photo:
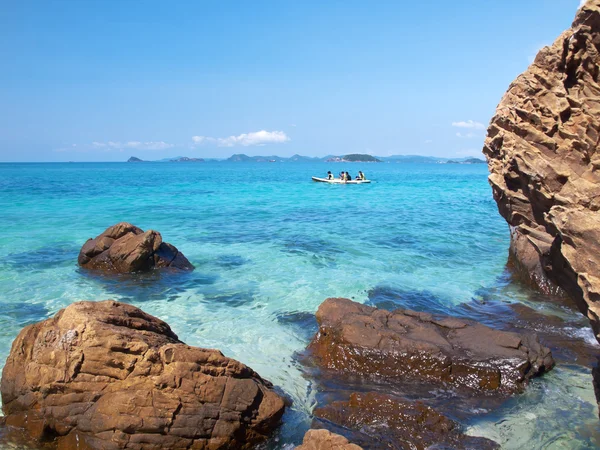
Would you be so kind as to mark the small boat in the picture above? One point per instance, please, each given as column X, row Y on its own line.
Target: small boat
column 338, row 181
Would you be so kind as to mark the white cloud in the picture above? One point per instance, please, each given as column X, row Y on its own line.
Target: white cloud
column 466, row 135
column 428, row 141
column 469, row 124
column 136, row 145
column 246, row 139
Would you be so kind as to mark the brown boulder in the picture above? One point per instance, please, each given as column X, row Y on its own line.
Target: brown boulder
column 107, row 375
column 389, row 422
column 325, row 440
column 542, row 152
column 408, row 345
column 125, row 248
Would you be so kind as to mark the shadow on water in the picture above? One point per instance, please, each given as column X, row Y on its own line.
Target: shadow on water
column 400, row 241
column 18, row 315
column 319, row 252
column 167, row 285
column 228, row 233
column 43, row 258
column 233, row 299
column 302, row 324
column 230, row 261
column 383, row 297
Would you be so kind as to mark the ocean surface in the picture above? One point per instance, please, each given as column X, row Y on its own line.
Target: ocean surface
column 269, row 245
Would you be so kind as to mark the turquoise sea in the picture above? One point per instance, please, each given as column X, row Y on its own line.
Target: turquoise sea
column 269, row 245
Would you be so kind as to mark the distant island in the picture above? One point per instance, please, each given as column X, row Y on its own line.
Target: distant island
column 176, row 159
column 355, row 157
column 350, row 158
column 466, row 161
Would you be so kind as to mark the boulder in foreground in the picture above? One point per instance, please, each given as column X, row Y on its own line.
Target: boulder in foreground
column 124, row 248
column 325, row 440
column 408, row 345
column 107, row 375
column 399, row 423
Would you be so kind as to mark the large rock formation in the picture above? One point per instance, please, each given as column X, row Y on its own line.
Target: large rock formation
column 107, row 375
column 389, row 422
column 325, row 440
column 542, row 151
column 124, row 248
column 405, row 345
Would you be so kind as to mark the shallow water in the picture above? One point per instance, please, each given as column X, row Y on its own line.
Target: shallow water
column 269, row 246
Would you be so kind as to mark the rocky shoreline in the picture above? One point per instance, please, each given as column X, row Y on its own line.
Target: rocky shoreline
column 106, row 375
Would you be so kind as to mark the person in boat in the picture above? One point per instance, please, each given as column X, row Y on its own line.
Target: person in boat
column 329, row 175
column 361, row 176
column 348, row 177
column 343, row 176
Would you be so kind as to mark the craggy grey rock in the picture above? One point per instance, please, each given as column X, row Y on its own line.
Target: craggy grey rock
column 106, row 375
column 408, row 345
column 125, row 248
column 542, row 152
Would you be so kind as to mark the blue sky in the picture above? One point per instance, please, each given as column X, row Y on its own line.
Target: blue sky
column 104, row 80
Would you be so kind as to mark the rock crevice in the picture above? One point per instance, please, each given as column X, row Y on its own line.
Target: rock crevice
column 107, row 375
column 542, row 155
column 125, row 248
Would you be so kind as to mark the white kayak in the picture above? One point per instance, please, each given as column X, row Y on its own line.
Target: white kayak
column 338, row 181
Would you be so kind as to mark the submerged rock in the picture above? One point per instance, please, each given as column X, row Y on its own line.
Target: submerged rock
column 107, row 375
column 408, row 345
column 542, row 152
column 325, row 440
column 388, row 422
column 125, row 248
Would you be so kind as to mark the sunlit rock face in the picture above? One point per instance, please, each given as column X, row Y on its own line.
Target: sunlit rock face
column 106, row 375
column 404, row 345
column 542, row 152
column 325, row 440
column 125, row 248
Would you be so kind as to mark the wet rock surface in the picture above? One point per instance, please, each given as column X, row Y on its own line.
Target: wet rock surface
column 107, row 375
column 325, row 440
column 125, row 248
column 542, row 155
column 555, row 319
column 407, row 345
column 383, row 421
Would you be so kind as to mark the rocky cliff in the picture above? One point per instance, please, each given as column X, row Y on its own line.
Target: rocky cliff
column 544, row 166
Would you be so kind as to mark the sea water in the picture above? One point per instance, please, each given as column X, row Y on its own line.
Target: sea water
column 269, row 245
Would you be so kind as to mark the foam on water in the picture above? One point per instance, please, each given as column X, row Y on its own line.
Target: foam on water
column 269, row 246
